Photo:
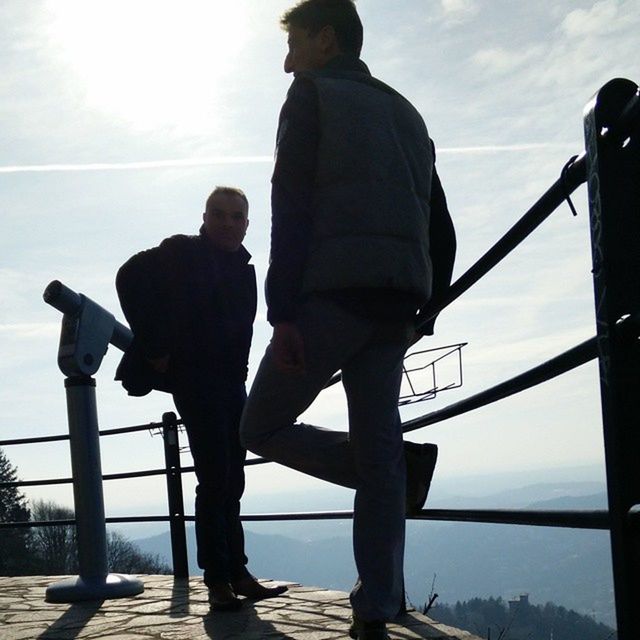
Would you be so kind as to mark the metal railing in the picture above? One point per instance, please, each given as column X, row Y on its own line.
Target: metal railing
column 611, row 166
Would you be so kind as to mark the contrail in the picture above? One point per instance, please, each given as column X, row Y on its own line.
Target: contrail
column 203, row 162
column 498, row 148
column 29, row 329
column 128, row 166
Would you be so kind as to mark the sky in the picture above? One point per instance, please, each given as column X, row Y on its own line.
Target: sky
column 118, row 118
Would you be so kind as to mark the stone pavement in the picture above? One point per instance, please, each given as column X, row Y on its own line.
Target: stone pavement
column 177, row 610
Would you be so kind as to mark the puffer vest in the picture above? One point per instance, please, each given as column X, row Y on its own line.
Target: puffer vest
column 370, row 208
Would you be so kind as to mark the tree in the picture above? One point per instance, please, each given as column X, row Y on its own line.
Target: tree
column 520, row 622
column 124, row 557
column 14, row 552
column 54, row 549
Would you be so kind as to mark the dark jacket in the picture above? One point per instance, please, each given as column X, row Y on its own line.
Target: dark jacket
column 192, row 302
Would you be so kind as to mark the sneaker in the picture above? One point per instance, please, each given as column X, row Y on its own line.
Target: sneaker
column 367, row 629
column 421, row 461
column 222, row 598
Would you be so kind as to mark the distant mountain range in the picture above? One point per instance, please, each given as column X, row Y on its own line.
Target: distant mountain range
column 568, row 567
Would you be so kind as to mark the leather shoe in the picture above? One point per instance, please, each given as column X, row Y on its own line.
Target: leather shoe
column 250, row 588
column 222, row 598
column 421, row 462
column 367, row 629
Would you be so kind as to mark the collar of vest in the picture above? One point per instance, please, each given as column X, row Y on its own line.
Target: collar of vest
column 346, row 62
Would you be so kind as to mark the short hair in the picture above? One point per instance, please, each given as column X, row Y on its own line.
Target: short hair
column 340, row 14
column 228, row 191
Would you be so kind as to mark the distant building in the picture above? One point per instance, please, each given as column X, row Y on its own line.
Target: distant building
column 517, row 605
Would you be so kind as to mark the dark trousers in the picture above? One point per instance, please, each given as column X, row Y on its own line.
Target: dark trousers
column 211, row 418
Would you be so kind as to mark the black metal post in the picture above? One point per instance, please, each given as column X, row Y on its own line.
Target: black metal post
column 613, row 176
column 174, row 495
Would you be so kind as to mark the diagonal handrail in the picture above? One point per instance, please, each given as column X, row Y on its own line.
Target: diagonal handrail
column 573, row 175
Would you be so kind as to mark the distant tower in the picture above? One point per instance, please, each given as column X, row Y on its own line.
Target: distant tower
column 517, row 605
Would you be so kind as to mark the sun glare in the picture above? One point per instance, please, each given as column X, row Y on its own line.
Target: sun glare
column 152, row 63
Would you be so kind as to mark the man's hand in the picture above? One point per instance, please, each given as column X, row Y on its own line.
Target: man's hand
column 161, row 365
column 288, row 348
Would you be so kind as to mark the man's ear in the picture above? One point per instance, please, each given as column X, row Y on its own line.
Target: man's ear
column 204, row 216
column 328, row 39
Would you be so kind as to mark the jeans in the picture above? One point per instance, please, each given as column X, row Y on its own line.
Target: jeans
column 369, row 458
column 211, row 417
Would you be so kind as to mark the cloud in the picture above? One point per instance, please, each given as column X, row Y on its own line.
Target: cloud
column 502, row 61
column 579, row 47
column 459, row 10
column 543, row 73
column 601, row 18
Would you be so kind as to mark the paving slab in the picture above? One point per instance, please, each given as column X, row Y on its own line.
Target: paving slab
column 174, row 609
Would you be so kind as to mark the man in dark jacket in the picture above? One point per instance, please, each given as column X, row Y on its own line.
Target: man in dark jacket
column 191, row 303
column 361, row 240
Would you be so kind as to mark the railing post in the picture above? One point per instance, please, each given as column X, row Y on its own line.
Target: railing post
column 614, row 202
column 174, row 495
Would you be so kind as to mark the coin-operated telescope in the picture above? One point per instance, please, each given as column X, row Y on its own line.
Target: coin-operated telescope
column 87, row 331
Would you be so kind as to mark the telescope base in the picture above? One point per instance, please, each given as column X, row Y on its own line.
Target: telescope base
column 78, row 589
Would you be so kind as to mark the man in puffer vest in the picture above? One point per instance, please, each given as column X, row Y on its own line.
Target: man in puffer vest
column 361, row 240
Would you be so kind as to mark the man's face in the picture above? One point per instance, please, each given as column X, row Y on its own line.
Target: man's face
column 226, row 221
column 306, row 52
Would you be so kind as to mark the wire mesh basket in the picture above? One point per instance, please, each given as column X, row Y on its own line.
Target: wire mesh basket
column 427, row 372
